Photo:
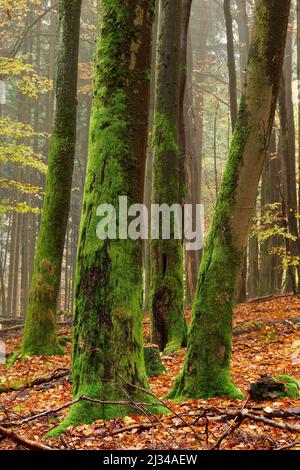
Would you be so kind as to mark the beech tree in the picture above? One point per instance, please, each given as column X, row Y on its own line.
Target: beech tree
column 206, row 371
column 168, row 321
column 40, row 335
column 108, row 358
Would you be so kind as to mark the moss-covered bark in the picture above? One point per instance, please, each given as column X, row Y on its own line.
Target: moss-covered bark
column 206, row 371
column 154, row 366
column 40, row 336
column 108, row 357
column 168, row 322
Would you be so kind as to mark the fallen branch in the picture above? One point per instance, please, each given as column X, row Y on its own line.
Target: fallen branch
column 55, row 375
column 24, row 441
column 285, row 426
column 148, row 392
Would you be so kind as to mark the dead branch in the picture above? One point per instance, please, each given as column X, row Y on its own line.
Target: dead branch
column 289, row 446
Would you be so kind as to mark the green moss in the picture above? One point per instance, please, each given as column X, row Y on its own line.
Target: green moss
column 154, row 366
column 291, row 386
column 168, row 322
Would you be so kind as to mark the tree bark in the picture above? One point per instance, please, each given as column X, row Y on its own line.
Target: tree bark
column 168, row 321
column 40, row 336
column 108, row 358
column 231, row 63
column 288, row 175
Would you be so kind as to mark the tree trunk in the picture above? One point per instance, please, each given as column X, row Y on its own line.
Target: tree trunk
column 270, row 272
column 206, row 370
column 168, row 321
column 108, row 359
column 40, row 336
column 253, row 279
column 231, row 63
column 243, row 28
column 298, row 78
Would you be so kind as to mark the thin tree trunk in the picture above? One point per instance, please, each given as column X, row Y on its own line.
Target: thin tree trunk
column 40, row 336
column 231, row 63
column 108, row 361
column 253, row 268
column 243, row 29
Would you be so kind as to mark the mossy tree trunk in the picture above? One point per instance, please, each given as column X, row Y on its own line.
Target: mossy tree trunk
column 288, row 166
column 168, row 322
column 108, row 358
column 40, row 336
column 231, row 62
column 206, row 371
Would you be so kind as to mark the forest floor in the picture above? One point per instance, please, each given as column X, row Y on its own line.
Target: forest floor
column 266, row 341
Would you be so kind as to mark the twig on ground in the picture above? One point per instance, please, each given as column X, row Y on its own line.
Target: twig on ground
column 236, row 424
